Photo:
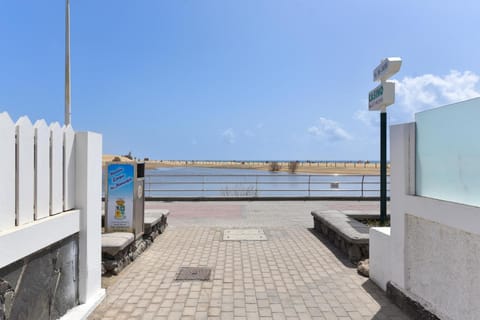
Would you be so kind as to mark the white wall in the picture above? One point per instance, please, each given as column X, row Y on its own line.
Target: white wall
column 443, row 267
column 435, row 244
column 17, row 243
column 380, row 260
column 441, row 256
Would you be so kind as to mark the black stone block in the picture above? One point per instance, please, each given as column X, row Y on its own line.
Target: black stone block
column 45, row 283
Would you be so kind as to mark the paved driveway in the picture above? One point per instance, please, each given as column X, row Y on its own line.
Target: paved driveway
column 292, row 275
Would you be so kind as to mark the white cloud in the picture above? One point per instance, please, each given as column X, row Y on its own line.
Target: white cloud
column 426, row 91
column 249, row 133
column 329, row 130
column 369, row 118
column 229, row 136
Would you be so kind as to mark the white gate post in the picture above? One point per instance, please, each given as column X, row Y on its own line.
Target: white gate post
column 88, row 197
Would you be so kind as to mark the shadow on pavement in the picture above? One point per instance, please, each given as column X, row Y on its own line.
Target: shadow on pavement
column 340, row 256
column 387, row 309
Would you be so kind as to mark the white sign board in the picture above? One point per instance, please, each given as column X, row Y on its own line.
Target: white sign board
column 387, row 68
column 382, row 96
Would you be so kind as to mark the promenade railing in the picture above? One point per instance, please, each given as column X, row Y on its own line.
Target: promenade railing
column 261, row 186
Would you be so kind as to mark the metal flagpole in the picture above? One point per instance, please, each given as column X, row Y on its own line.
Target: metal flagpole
column 68, row 114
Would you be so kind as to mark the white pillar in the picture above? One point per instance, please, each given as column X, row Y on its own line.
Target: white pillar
column 88, row 197
column 402, row 177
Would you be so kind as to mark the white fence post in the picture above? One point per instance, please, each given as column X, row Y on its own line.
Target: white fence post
column 68, row 168
column 7, row 172
column 25, row 171
column 88, row 197
column 56, row 168
column 42, row 170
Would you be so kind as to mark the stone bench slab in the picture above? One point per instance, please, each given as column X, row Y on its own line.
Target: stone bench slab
column 113, row 243
column 346, row 233
column 345, row 226
column 154, row 218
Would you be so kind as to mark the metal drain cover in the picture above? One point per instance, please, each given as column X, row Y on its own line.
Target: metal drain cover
column 244, row 234
column 193, row 273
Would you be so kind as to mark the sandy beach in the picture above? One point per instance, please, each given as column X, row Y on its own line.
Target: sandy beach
column 348, row 168
column 323, row 167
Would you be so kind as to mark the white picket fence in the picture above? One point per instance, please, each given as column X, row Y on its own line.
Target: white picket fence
column 50, row 188
column 37, row 170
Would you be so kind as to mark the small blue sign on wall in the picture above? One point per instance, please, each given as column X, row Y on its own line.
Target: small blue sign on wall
column 120, row 184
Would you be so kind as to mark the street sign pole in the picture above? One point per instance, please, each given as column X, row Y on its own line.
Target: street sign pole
column 383, row 166
column 378, row 100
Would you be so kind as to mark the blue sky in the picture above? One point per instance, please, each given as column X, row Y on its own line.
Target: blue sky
column 250, row 79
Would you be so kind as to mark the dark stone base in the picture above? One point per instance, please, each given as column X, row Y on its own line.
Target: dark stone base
column 353, row 249
column 115, row 264
column 42, row 286
column 155, row 230
column 411, row 307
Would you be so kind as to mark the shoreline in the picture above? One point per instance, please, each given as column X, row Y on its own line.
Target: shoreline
column 324, row 167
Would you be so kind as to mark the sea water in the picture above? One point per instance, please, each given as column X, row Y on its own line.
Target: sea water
column 216, row 182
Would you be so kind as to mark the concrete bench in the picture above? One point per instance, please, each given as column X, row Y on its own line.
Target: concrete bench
column 155, row 220
column 116, row 248
column 346, row 233
column 121, row 248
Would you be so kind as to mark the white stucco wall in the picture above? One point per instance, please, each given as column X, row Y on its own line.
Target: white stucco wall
column 443, row 267
column 380, row 260
column 435, row 244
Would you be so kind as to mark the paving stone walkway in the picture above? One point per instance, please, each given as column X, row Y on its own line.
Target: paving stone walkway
column 292, row 275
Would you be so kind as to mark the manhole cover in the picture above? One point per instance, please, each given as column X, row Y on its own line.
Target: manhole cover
column 244, row 235
column 193, row 273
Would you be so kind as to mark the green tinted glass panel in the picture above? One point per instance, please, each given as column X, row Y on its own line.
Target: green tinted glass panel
column 448, row 153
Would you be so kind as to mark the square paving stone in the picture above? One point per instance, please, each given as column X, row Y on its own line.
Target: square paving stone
column 244, row 235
